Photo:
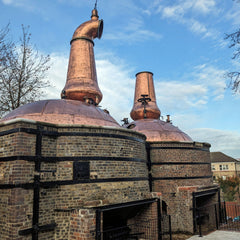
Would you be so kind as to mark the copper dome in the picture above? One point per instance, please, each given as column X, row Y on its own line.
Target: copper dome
column 158, row 130
column 63, row 112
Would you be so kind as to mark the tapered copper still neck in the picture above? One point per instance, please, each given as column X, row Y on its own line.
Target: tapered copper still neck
column 81, row 81
column 145, row 105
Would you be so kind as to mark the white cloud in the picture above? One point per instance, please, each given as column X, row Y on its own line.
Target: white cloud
column 134, row 24
column 185, row 120
column 220, row 140
column 183, row 7
column 8, row 2
column 193, row 90
column 213, row 78
column 132, row 36
column 236, row 64
column 175, row 12
column 117, row 87
column 19, row 3
column 197, row 27
column 147, row 12
column 185, row 13
column 133, row 32
column 234, row 13
column 204, row 6
column 180, row 95
column 57, row 75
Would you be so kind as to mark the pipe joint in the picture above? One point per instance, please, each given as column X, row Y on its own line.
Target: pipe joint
column 89, row 30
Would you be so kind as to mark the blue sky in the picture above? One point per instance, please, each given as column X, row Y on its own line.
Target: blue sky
column 180, row 41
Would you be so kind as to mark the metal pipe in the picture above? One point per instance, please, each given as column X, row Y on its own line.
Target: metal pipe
column 81, row 81
column 98, row 224
column 89, row 30
column 216, row 215
column 159, row 220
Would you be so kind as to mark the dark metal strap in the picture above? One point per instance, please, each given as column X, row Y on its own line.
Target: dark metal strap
column 179, row 178
column 127, row 204
column 52, row 184
column 69, row 159
column 180, row 163
column 82, row 38
column 35, row 228
column 183, row 148
column 59, row 134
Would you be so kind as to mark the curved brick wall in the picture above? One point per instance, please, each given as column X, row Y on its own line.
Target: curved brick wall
column 73, row 166
column 178, row 169
column 180, row 164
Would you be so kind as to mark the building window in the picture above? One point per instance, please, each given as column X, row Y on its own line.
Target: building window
column 223, row 167
column 213, row 167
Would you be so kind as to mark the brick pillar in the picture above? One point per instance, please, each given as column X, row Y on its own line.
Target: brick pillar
column 82, row 225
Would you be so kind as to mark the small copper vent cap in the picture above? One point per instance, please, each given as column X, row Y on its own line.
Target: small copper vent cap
column 145, row 105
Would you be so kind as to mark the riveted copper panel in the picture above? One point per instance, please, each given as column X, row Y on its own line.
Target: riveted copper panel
column 145, row 86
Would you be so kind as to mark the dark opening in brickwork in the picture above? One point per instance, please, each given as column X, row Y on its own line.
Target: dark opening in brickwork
column 81, row 170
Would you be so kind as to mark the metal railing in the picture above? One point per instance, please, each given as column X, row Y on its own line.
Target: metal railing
column 140, row 230
column 218, row 216
column 144, row 230
column 166, row 229
column 230, row 216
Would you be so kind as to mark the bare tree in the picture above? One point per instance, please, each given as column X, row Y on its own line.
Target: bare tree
column 3, row 43
column 22, row 71
column 234, row 76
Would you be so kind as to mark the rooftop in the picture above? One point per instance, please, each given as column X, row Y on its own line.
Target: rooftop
column 221, row 157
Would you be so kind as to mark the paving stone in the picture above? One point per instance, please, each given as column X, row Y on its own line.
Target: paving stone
column 218, row 235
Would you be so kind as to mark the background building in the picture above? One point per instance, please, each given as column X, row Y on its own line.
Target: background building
column 224, row 166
